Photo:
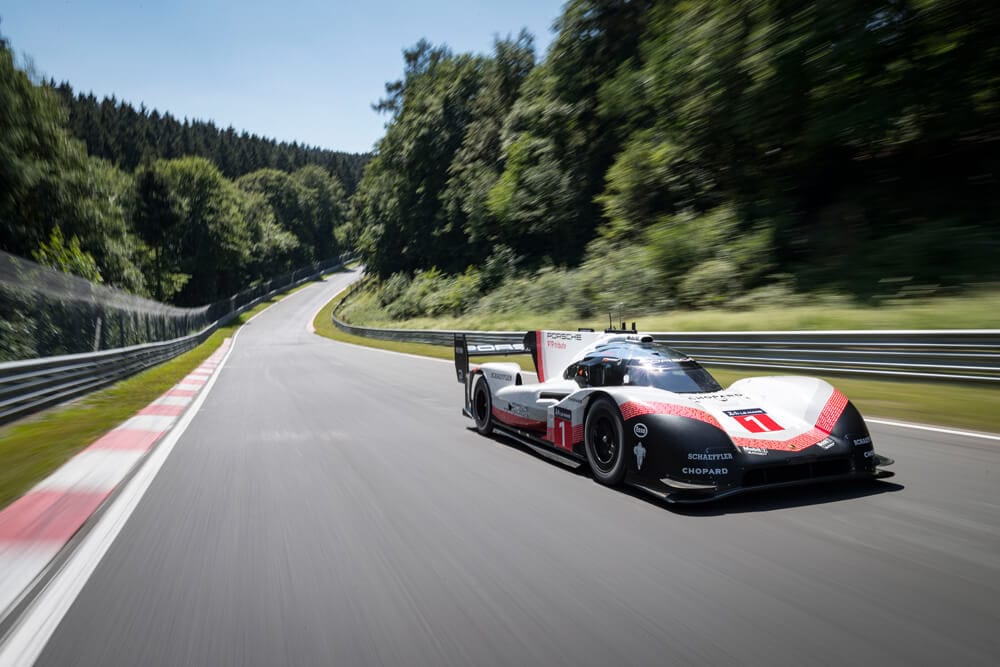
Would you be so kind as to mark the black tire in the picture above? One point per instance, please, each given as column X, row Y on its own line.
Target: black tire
column 482, row 406
column 604, row 440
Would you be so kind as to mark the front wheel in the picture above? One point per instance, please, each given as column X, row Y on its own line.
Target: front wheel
column 604, row 440
column 482, row 406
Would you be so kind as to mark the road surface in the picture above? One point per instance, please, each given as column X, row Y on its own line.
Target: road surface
column 329, row 505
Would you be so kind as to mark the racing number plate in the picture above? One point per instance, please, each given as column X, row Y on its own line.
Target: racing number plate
column 755, row 420
column 563, row 428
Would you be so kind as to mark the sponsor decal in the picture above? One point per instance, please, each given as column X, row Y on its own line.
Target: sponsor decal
column 755, row 420
column 499, row 347
column 714, row 397
column 640, row 430
column 640, row 455
column 867, row 440
column 501, row 376
column 705, row 471
column 826, row 443
column 755, row 451
column 744, row 412
column 870, row 453
column 518, row 410
column 556, row 339
column 698, row 456
column 563, row 413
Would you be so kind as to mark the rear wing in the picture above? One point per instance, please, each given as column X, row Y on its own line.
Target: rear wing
column 465, row 350
column 551, row 351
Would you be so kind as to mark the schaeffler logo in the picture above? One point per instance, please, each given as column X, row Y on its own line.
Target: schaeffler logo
column 640, row 430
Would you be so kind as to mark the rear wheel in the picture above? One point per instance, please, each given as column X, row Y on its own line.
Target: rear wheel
column 604, row 440
column 482, row 406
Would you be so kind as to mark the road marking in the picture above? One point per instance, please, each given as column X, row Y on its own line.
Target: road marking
column 155, row 423
column 28, row 638
column 92, row 470
column 936, row 429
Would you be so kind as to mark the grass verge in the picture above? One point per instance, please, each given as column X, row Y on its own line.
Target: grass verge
column 976, row 310
column 943, row 404
column 33, row 447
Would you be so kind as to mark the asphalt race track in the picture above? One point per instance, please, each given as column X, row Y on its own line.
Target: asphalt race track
column 329, row 505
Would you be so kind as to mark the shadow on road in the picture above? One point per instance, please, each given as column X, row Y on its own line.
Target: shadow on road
column 778, row 499
column 752, row 501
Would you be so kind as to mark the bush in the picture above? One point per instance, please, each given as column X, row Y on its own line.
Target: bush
column 711, row 283
column 778, row 290
column 454, row 295
column 393, row 288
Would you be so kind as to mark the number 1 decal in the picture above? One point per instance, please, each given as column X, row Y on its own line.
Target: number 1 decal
column 562, row 426
column 755, row 420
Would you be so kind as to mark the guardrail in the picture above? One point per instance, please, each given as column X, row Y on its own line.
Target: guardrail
column 957, row 355
column 30, row 385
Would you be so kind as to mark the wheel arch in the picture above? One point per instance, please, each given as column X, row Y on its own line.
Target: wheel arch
column 588, row 401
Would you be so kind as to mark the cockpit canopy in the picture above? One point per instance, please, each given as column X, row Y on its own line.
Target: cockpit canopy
column 638, row 364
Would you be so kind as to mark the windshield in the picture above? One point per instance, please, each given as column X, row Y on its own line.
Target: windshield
column 682, row 378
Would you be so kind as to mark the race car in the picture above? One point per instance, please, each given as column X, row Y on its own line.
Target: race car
column 639, row 412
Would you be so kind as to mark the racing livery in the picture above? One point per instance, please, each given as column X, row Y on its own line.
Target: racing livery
column 644, row 414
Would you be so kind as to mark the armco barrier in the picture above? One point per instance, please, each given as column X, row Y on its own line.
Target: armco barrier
column 29, row 385
column 958, row 355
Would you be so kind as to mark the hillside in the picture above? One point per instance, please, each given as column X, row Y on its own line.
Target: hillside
column 681, row 154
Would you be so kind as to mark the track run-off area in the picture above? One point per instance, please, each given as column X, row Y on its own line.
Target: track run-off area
column 327, row 504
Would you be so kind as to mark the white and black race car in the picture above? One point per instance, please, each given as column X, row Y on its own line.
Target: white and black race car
column 642, row 413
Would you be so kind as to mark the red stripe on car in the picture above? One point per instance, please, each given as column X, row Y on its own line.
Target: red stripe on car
column 538, row 350
column 827, row 419
column 517, row 420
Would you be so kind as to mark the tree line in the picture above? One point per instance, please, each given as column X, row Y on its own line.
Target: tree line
column 125, row 136
column 142, row 214
column 712, row 147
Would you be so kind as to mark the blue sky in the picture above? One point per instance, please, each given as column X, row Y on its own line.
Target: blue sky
column 305, row 70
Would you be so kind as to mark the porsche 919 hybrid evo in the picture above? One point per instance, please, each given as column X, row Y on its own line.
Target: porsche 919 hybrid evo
column 641, row 413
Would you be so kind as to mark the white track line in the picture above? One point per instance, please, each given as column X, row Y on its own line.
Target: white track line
column 29, row 636
column 33, row 630
column 936, row 429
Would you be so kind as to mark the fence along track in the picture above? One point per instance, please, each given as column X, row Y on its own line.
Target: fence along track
column 29, row 385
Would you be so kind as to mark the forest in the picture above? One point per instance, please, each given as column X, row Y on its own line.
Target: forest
column 674, row 154
column 180, row 212
column 661, row 154
column 125, row 136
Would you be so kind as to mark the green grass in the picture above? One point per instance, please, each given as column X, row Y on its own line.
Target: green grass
column 976, row 310
column 33, row 447
column 970, row 406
